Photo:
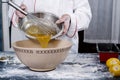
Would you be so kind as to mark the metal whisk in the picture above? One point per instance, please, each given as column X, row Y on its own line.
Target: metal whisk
column 46, row 26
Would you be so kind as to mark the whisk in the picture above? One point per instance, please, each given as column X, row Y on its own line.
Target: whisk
column 46, row 26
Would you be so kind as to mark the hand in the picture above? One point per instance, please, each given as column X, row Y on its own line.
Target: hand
column 19, row 14
column 65, row 19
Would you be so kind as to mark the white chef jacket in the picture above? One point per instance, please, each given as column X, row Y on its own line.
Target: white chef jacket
column 79, row 11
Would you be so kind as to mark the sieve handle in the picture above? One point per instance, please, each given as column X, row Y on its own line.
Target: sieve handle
column 17, row 7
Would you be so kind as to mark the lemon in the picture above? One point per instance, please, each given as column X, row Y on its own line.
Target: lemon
column 112, row 61
column 115, row 70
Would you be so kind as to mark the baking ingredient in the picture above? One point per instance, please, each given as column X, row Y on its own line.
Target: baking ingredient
column 112, row 61
column 42, row 38
column 3, row 58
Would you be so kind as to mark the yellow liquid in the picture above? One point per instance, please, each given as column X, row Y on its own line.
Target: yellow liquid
column 43, row 39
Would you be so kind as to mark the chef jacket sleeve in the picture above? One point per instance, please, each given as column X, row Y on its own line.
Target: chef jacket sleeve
column 81, row 16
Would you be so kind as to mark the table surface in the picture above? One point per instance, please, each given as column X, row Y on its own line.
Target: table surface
column 80, row 66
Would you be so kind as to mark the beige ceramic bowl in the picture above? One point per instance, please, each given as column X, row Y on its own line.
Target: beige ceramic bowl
column 41, row 59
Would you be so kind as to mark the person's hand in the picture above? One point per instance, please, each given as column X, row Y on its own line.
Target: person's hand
column 65, row 19
column 18, row 13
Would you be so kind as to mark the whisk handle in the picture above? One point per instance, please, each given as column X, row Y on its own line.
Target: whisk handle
column 17, row 7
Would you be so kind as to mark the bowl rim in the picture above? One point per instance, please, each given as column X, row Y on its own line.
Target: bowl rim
column 64, row 47
column 48, row 13
column 53, row 37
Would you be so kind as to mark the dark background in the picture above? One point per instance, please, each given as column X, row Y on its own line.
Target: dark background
column 1, row 41
column 85, row 47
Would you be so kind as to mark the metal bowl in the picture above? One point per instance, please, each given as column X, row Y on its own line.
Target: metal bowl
column 44, row 15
